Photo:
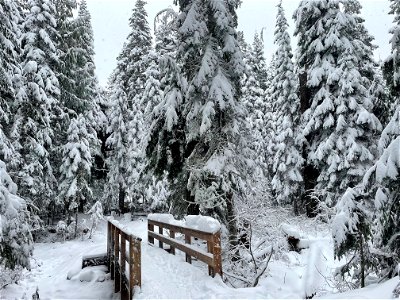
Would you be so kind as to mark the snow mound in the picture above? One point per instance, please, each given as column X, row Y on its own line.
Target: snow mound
column 202, row 223
column 289, row 230
column 89, row 274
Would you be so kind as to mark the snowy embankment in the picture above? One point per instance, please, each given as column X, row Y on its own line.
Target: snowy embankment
column 168, row 276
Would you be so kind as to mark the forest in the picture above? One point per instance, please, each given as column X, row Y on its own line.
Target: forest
column 195, row 121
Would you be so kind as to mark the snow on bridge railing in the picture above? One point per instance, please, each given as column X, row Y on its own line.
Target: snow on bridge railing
column 124, row 248
column 200, row 227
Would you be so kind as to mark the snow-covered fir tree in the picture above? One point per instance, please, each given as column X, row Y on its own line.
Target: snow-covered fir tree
column 391, row 70
column 85, row 80
column 36, row 100
column 66, row 67
column 213, row 65
column 129, row 80
column 74, row 189
column 338, row 122
column 287, row 182
column 10, row 77
column 381, row 182
column 16, row 242
column 118, row 142
column 258, row 61
column 383, row 100
column 351, row 230
column 253, row 97
column 131, row 63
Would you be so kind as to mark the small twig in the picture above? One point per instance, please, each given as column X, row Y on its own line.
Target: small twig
column 251, row 250
column 263, row 270
column 237, row 277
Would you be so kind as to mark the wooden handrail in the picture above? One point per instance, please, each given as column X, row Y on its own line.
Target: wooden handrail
column 118, row 255
column 213, row 255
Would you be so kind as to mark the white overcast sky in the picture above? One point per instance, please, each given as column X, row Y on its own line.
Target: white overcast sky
column 110, row 25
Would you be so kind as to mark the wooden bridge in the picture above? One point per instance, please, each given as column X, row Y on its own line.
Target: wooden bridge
column 124, row 252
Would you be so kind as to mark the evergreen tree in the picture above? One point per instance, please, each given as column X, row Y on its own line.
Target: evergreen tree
column 258, row 61
column 129, row 80
column 74, row 189
column 383, row 101
column 213, row 65
column 10, row 78
column 16, row 243
column 66, row 66
column 381, row 185
column 131, row 63
column 339, row 125
column 37, row 98
column 118, row 142
column 391, row 70
column 85, row 80
column 351, row 229
column 287, row 181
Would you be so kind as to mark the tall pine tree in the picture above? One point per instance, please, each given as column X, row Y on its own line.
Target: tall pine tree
column 338, row 122
column 287, row 181
column 37, row 98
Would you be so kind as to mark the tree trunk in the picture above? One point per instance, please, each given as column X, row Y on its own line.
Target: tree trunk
column 121, row 199
column 232, row 226
column 76, row 222
column 362, row 260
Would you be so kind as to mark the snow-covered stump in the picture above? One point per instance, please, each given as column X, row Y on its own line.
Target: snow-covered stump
column 203, row 228
column 124, row 248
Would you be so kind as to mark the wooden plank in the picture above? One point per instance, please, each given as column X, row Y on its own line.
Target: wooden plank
column 193, row 232
column 172, row 236
column 188, row 240
column 95, row 260
column 185, row 248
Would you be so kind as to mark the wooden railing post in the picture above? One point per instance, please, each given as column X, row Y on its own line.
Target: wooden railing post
column 137, row 269
column 188, row 240
column 160, row 231
column 112, row 249
column 210, row 249
column 135, row 274
column 108, row 244
column 217, row 253
column 172, row 235
column 117, row 279
column 124, row 291
column 150, row 227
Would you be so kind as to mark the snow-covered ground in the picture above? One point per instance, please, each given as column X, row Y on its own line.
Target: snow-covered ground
column 168, row 276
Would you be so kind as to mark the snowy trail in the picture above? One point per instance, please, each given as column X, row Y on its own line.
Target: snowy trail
column 50, row 265
column 164, row 276
column 168, row 276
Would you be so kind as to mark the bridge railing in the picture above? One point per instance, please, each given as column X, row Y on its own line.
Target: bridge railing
column 124, row 253
column 213, row 255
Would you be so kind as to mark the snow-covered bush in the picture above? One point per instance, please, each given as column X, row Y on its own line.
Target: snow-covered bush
column 157, row 194
column 62, row 229
column 96, row 214
column 15, row 237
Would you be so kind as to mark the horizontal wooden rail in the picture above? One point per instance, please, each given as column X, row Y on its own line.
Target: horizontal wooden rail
column 213, row 255
column 119, row 255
